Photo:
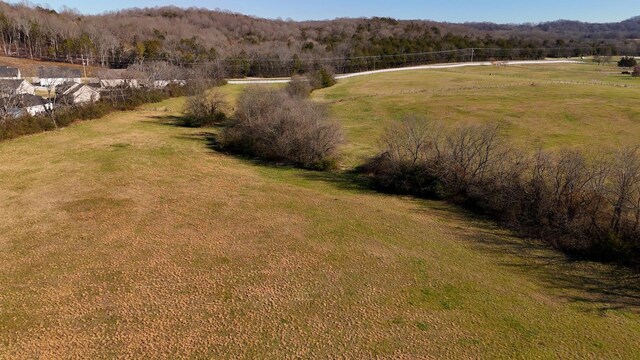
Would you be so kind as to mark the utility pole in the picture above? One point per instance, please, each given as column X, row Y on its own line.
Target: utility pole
column 84, row 67
column 472, row 53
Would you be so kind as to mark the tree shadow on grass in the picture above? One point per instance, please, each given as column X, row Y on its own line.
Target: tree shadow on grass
column 176, row 121
column 344, row 180
column 600, row 287
column 168, row 120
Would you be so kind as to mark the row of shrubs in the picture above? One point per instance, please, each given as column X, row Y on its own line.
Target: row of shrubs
column 281, row 125
column 205, row 107
column 116, row 100
column 276, row 126
column 583, row 206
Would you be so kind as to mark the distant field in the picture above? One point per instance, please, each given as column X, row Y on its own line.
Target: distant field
column 548, row 106
column 29, row 68
column 129, row 237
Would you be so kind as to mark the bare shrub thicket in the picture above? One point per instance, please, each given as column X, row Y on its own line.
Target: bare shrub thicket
column 299, row 87
column 584, row 206
column 273, row 125
column 205, row 108
column 321, row 78
column 213, row 71
column 155, row 74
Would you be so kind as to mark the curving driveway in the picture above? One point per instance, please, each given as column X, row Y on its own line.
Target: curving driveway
column 421, row 67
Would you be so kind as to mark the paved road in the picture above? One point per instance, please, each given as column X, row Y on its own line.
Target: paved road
column 421, row 67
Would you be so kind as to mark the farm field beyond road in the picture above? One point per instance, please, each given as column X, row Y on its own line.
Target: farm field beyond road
column 129, row 236
column 548, row 106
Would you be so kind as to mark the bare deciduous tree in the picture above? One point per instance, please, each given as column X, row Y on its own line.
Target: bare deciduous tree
column 625, row 179
column 205, row 108
column 584, row 205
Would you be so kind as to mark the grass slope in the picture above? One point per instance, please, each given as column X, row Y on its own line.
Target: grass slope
column 29, row 68
column 548, row 106
column 129, row 236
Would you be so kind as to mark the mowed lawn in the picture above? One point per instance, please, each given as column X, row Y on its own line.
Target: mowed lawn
column 537, row 106
column 129, row 237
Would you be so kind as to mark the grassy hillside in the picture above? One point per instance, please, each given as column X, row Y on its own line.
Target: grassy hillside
column 547, row 106
column 129, row 236
column 29, row 68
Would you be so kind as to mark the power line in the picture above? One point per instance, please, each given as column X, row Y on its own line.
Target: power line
column 401, row 56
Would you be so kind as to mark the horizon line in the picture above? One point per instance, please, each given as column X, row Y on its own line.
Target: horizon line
column 289, row 19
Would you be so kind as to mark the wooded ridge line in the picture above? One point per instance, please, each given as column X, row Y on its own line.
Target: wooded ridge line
column 249, row 46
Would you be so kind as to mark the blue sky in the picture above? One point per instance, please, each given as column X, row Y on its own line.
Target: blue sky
column 502, row 11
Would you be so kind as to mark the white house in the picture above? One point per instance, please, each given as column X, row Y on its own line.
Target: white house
column 10, row 87
column 161, row 84
column 53, row 82
column 52, row 76
column 114, row 83
column 74, row 93
column 18, row 105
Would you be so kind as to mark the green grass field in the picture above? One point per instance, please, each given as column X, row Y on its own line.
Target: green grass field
column 129, row 236
column 548, row 106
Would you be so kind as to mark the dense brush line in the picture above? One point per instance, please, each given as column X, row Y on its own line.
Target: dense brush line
column 583, row 206
column 115, row 100
column 283, row 126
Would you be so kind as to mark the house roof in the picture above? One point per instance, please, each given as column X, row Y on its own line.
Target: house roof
column 6, row 71
column 10, row 83
column 67, row 87
column 22, row 101
column 72, row 88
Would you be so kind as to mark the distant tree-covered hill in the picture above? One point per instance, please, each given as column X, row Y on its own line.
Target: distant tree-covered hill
column 247, row 45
